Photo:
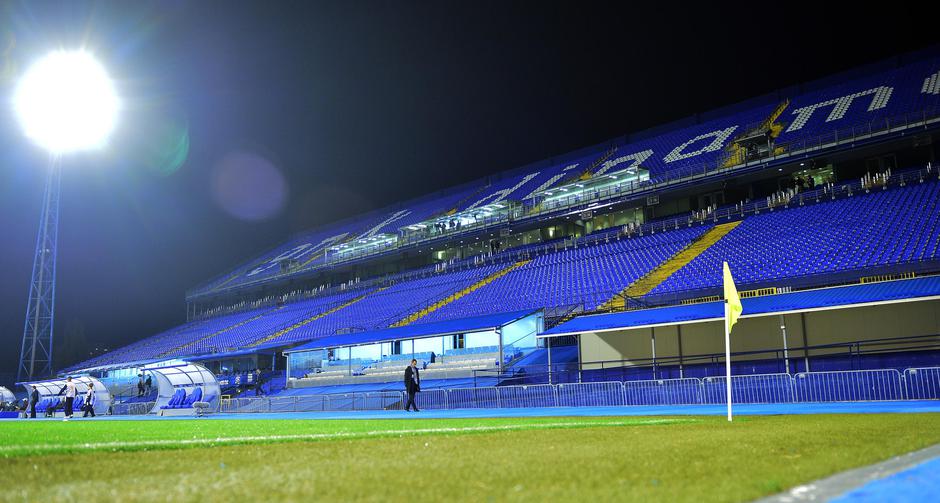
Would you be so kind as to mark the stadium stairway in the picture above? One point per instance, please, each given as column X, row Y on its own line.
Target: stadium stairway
column 647, row 283
column 736, row 154
column 451, row 298
column 196, row 342
column 313, row 257
column 315, row 317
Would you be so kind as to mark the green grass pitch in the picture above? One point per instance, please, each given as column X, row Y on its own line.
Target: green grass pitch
column 507, row 459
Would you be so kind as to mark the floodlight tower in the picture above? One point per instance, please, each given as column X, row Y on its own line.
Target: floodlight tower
column 65, row 103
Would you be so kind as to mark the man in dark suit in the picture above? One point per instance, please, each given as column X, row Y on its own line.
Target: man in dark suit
column 33, row 400
column 412, row 384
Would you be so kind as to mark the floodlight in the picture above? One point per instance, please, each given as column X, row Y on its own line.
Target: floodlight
column 66, row 102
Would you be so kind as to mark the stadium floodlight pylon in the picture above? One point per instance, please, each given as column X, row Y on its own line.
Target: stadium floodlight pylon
column 65, row 102
column 36, row 351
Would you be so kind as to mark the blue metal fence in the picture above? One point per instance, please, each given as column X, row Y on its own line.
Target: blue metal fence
column 923, row 383
column 839, row 386
column 758, row 388
column 590, row 394
column 535, row 395
column 849, row 386
column 472, row 398
column 663, row 392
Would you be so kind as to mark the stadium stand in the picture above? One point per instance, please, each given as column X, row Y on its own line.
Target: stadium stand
column 806, row 120
column 640, row 222
column 810, row 240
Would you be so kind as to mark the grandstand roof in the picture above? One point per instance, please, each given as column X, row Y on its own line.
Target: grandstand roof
column 474, row 324
column 796, row 302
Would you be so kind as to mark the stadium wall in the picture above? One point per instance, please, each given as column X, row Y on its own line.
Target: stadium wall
column 837, row 326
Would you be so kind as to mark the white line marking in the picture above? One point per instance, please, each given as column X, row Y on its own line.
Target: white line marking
column 316, row 436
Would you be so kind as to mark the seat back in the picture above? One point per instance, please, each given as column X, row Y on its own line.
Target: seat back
column 193, row 397
column 178, row 396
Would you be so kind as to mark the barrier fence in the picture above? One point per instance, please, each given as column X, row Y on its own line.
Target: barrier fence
column 849, row 386
column 923, row 383
column 132, row 409
column 837, row 386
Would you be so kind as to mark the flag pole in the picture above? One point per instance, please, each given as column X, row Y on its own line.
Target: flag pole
column 728, row 357
column 733, row 310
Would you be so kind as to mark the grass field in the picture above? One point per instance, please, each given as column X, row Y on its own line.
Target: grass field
column 511, row 459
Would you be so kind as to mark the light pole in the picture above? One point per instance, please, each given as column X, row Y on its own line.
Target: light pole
column 65, row 103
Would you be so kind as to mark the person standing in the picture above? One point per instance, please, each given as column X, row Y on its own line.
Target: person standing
column 412, row 384
column 140, row 385
column 149, row 384
column 69, row 390
column 33, row 400
column 258, row 389
column 89, row 404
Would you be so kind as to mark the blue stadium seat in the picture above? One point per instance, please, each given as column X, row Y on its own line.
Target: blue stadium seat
column 193, row 397
column 178, row 396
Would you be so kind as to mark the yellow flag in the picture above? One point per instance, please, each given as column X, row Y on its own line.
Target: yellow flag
column 731, row 297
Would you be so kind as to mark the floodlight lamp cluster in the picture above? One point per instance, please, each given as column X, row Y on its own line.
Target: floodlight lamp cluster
column 66, row 102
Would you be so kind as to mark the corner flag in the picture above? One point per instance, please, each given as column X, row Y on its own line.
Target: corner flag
column 733, row 310
column 731, row 298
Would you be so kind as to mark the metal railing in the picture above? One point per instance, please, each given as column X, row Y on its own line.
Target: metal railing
column 473, row 398
column 683, row 391
column 848, row 386
column 758, row 388
column 132, row 409
column 923, row 383
column 836, row 386
column 527, row 396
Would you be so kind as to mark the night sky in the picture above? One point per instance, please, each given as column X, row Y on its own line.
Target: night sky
column 357, row 105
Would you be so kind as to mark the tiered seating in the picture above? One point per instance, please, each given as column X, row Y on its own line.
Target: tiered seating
column 900, row 225
column 456, row 363
column 586, row 276
column 165, row 343
column 270, row 323
column 240, row 329
column 414, row 211
column 469, row 358
column 904, row 99
column 383, row 308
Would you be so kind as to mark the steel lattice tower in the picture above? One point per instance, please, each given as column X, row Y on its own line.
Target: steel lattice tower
column 36, row 351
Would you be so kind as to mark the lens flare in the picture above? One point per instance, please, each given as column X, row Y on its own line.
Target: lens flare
column 248, row 186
